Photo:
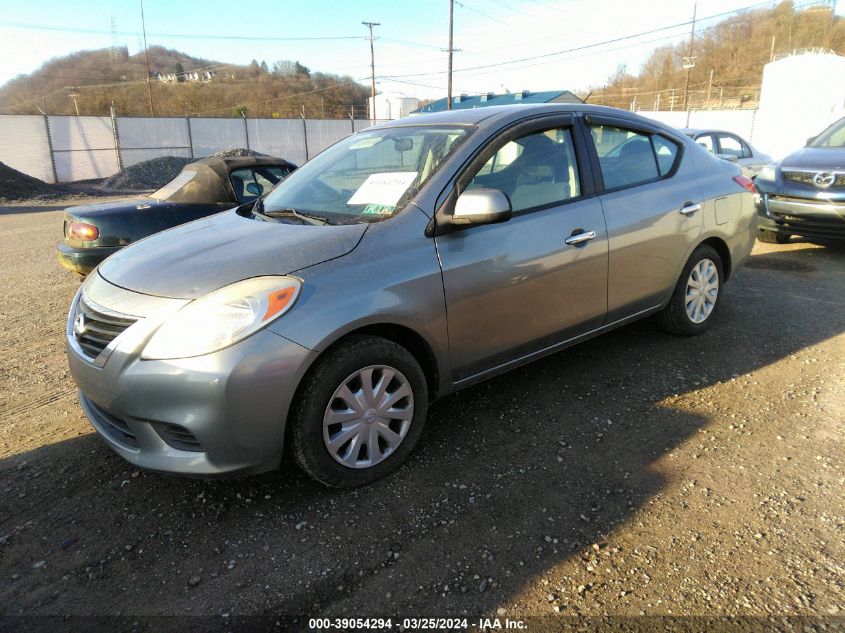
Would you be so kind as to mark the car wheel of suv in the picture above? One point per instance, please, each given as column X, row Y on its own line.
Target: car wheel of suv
column 359, row 412
column 772, row 237
column 694, row 303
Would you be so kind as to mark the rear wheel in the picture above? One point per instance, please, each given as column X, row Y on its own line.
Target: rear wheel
column 695, row 301
column 772, row 237
column 360, row 412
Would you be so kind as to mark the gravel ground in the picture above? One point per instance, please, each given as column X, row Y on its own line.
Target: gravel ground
column 635, row 474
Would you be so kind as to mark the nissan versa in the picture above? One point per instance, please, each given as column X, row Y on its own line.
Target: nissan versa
column 405, row 262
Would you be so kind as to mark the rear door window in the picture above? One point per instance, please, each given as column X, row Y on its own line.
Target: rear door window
column 626, row 157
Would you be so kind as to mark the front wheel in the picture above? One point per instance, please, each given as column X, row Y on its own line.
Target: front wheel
column 359, row 412
column 694, row 303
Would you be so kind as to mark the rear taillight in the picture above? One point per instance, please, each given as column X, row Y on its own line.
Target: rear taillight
column 82, row 232
column 745, row 182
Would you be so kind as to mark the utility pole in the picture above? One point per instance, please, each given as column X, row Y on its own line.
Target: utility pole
column 709, row 87
column 772, row 51
column 689, row 62
column 370, row 25
column 147, row 60
column 451, row 50
column 73, row 95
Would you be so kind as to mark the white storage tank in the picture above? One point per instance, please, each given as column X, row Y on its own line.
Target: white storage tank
column 801, row 95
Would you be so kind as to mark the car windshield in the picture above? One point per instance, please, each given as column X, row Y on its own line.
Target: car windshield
column 834, row 136
column 367, row 177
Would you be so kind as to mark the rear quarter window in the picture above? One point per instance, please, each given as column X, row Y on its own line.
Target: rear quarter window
column 667, row 153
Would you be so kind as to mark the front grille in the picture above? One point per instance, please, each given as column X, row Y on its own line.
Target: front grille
column 178, row 437
column 806, row 177
column 98, row 328
column 115, row 427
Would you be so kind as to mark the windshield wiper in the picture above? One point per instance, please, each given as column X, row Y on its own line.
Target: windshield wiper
column 308, row 218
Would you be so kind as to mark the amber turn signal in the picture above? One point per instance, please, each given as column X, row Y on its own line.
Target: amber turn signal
column 82, row 232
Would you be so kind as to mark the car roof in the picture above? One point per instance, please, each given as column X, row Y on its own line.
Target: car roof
column 226, row 163
column 707, row 130
column 495, row 116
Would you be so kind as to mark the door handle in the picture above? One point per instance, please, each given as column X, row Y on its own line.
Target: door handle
column 689, row 208
column 580, row 238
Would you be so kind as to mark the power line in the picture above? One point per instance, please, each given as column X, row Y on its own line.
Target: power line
column 481, row 13
column 586, row 46
column 198, row 36
column 509, row 7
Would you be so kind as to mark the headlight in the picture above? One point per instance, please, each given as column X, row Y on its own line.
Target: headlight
column 768, row 173
column 223, row 317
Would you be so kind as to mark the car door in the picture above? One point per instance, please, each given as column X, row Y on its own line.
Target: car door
column 731, row 145
column 652, row 205
column 519, row 287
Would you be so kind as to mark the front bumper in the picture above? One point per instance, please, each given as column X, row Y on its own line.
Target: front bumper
column 82, row 260
column 812, row 218
column 218, row 414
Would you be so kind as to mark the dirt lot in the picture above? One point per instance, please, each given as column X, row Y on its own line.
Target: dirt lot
column 637, row 473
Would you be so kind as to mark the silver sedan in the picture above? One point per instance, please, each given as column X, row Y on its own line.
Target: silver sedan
column 406, row 262
column 731, row 147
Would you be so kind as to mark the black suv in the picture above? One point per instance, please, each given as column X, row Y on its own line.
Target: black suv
column 804, row 194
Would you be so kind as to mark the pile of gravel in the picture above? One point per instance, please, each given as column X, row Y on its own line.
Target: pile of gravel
column 148, row 174
column 16, row 185
column 235, row 151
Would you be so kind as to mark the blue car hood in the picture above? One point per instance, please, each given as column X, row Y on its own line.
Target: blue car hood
column 191, row 260
column 816, row 158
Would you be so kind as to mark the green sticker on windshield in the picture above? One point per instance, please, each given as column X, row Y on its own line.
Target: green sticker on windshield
column 377, row 209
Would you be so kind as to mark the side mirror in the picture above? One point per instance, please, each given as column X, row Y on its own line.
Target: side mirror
column 254, row 188
column 810, row 140
column 728, row 157
column 482, row 206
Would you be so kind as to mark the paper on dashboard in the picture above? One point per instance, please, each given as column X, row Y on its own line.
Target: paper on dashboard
column 384, row 188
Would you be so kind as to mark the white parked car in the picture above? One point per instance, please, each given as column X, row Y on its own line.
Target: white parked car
column 731, row 147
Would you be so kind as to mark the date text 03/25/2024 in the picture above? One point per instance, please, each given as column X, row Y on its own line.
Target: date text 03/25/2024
column 415, row 624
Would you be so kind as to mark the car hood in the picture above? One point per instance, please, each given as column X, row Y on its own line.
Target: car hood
column 193, row 259
column 818, row 158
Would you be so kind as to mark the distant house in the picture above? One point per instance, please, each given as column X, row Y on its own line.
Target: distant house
column 464, row 102
column 172, row 78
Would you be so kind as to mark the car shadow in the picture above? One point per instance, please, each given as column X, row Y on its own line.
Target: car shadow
column 512, row 477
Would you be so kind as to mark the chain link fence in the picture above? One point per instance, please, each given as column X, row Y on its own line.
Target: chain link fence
column 71, row 148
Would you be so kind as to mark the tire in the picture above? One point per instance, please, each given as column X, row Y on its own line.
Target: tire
column 320, row 400
column 772, row 237
column 675, row 317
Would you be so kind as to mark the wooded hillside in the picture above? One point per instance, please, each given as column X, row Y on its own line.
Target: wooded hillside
column 99, row 77
column 735, row 50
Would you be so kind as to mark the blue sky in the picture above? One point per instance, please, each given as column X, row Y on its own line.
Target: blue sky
column 409, row 45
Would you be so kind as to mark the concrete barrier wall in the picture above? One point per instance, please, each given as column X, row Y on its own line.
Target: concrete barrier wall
column 71, row 148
